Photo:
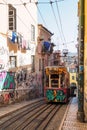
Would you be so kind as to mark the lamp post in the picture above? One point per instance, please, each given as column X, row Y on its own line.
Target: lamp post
column 80, row 113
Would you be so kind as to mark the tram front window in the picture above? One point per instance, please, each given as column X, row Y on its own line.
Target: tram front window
column 54, row 76
column 54, row 83
column 54, row 80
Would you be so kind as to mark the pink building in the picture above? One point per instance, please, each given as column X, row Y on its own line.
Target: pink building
column 42, row 56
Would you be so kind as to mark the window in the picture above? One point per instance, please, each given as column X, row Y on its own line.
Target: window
column 43, row 65
column 12, row 18
column 73, row 77
column 54, row 82
column 39, row 64
column 72, row 70
column 13, row 61
column 32, row 33
column 33, row 63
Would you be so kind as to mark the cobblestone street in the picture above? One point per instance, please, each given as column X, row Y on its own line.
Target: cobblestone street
column 70, row 121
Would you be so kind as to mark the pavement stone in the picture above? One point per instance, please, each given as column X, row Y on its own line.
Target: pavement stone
column 70, row 121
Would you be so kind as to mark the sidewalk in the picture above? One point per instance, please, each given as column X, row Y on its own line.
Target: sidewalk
column 70, row 121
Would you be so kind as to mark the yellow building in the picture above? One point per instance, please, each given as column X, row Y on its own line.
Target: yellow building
column 73, row 79
column 73, row 75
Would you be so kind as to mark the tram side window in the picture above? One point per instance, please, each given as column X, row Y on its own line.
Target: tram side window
column 62, row 80
column 47, row 81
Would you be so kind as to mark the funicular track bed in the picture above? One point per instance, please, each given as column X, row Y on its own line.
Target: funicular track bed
column 37, row 116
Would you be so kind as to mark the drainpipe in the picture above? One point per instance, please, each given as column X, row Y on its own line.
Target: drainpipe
column 80, row 113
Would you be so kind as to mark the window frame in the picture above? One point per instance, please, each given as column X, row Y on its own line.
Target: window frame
column 32, row 32
column 33, row 63
column 39, row 64
column 12, row 18
column 13, row 61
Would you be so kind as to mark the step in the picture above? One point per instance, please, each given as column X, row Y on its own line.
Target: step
column 75, row 124
column 73, row 128
column 71, row 117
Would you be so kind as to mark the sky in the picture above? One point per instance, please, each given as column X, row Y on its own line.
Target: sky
column 60, row 18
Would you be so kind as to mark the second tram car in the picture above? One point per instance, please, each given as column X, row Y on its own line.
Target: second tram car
column 57, row 85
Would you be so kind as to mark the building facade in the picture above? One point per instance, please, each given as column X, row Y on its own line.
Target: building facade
column 82, row 36
column 73, row 75
column 18, row 41
column 42, row 57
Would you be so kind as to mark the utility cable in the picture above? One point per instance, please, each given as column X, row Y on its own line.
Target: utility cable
column 24, row 23
column 56, row 19
column 45, row 2
column 67, row 43
column 20, row 20
column 28, row 11
column 60, row 21
column 4, row 2
column 41, row 15
column 49, row 2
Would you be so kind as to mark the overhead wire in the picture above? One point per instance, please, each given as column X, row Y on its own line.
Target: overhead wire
column 68, row 42
column 45, row 2
column 23, row 23
column 56, row 19
column 60, row 21
column 40, row 14
column 14, row 4
column 20, row 19
column 4, row 2
column 37, row 8
column 37, row 3
column 50, row 2
column 28, row 11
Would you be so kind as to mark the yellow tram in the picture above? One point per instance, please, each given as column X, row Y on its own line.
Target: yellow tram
column 56, row 84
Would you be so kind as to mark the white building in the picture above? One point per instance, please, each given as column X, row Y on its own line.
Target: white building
column 20, row 17
column 18, row 35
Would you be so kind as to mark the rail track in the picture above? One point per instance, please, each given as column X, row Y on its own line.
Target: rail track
column 36, row 116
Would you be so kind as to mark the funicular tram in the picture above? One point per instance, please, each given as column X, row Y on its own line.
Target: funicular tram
column 57, row 84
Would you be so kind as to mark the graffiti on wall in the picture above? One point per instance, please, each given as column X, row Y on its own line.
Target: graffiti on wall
column 7, row 80
column 21, row 76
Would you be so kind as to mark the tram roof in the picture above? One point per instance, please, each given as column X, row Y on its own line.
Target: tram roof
column 50, row 67
column 55, row 69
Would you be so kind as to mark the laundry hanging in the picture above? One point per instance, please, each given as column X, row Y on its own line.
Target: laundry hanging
column 14, row 36
column 45, row 46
